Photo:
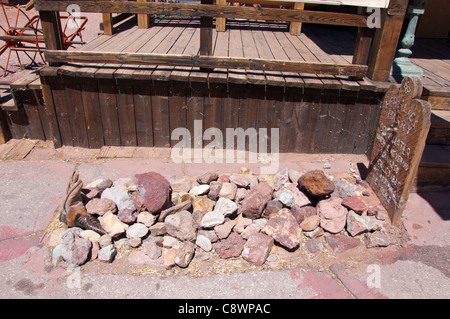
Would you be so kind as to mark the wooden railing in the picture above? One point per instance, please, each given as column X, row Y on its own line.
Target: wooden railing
column 377, row 47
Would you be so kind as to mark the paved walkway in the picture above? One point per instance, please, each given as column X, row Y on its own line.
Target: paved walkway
column 30, row 191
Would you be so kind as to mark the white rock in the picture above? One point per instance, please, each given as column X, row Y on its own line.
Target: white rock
column 137, row 230
column 212, row 219
column 203, row 242
column 199, row 190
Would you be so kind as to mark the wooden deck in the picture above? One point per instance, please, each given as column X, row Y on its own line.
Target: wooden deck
column 249, row 39
column 252, row 39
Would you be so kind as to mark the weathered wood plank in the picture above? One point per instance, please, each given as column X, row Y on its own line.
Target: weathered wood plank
column 220, row 11
column 206, row 62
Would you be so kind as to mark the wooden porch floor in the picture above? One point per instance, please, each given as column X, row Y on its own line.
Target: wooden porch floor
column 254, row 39
column 248, row 39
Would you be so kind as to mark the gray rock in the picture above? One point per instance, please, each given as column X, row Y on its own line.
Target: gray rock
column 75, row 249
column 357, row 224
column 120, row 196
column 137, row 230
column 281, row 178
column 151, row 249
column 285, row 196
column 294, row 175
column 181, row 225
column 342, row 189
column 226, row 207
column 107, row 254
column 184, row 254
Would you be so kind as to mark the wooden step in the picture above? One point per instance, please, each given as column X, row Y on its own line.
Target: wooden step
column 434, row 169
column 440, row 128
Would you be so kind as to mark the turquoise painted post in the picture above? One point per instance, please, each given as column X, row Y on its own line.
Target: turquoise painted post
column 402, row 65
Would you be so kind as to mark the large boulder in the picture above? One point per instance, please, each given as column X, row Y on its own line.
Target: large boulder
column 155, row 191
column 316, row 184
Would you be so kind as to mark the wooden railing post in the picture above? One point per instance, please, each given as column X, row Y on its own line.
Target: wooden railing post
column 107, row 24
column 363, row 42
column 144, row 20
column 295, row 28
column 206, row 33
column 51, row 28
column 386, row 40
column 221, row 23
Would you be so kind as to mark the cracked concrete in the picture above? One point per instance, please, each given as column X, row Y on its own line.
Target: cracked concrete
column 32, row 190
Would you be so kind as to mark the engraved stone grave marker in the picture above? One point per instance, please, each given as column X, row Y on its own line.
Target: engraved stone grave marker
column 398, row 146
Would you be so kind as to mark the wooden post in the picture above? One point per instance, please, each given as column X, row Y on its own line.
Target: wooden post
column 51, row 28
column 386, row 39
column 295, row 28
column 144, row 20
column 398, row 146
column 221, row 23
column 5, row 133
column 206, row 34
column 107, row 24
column 363, row 43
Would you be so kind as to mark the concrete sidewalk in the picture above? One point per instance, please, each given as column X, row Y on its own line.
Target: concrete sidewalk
column 30, row 192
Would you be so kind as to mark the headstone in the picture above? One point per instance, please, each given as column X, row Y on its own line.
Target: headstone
column 398, row 146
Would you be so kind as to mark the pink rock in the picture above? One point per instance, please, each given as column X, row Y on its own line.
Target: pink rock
column 355, row 204
column 230, row 247
column 284, row 229
column 333, row 215
column 154, row 189
column 257, row 248
column 99, row 206
column 264, row 189
column 137, row 201
column 222, row 231
column 310, row 223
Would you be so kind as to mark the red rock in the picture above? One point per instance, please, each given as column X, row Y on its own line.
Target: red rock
column 284, row 229
column 316, row 184
column 300, row 213
column 355, row 204
column 257, row 248
column 214, row 190
column 127, row 215
column 272, row 207
column 264, row 189
column 230, row 247
column 379, row 239
column 253, row 205
column 154, row 190
column 137, row 201
column 341, row 243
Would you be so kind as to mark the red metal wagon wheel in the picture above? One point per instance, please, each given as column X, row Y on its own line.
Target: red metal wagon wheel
column 21, row 34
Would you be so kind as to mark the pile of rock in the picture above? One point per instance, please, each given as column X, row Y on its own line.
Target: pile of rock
column 234, row 215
